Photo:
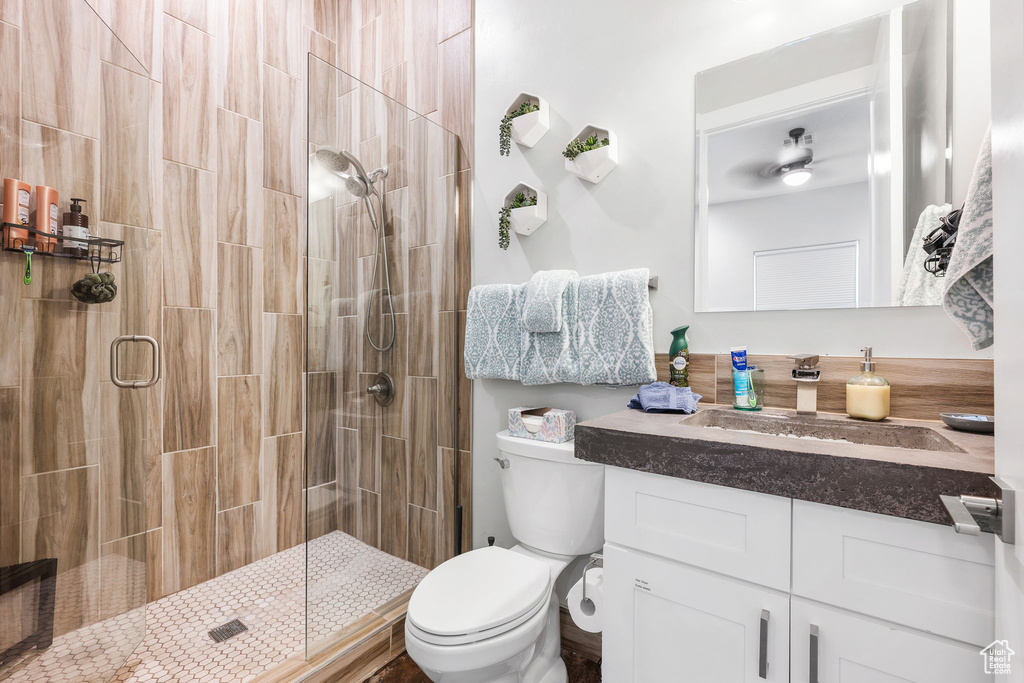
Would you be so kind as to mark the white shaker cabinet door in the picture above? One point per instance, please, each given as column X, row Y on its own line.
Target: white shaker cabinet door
column 668, row 622
column 829, row 646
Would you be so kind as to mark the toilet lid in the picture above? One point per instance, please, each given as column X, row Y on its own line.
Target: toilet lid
column 479, row 590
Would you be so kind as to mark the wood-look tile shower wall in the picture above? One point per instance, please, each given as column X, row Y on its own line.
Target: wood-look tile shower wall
column 207, row 186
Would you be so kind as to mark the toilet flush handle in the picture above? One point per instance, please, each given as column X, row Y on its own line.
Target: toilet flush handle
column 502, row 463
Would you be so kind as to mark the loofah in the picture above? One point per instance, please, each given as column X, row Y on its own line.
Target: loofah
column 95, row 288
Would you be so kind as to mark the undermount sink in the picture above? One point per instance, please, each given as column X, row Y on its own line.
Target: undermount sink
column 825, row 429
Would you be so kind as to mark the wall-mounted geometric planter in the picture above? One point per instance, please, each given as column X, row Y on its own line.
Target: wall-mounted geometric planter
column 594, row 165
column 526, row 219
column 528, row 129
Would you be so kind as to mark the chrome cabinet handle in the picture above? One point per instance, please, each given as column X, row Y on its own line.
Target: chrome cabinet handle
column 762, row 659
column 812, row 675
column 115, row 354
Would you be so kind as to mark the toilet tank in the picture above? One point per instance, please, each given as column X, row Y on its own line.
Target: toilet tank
column 554, row 502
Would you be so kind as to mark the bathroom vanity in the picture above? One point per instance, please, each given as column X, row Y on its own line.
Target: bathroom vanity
column 781, row 547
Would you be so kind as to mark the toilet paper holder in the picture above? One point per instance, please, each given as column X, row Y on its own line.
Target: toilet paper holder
column 596, row 560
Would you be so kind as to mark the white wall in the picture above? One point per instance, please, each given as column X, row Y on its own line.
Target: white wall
column 796, row 219
column 630, row 66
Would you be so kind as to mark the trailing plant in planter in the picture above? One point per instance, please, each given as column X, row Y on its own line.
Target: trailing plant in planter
column 505, row 128
column 577, row 147
column 505, row 216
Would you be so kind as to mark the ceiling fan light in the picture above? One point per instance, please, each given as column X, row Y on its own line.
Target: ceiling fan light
column 795, row 177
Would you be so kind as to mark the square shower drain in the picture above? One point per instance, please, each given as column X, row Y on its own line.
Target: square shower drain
column 228, row 630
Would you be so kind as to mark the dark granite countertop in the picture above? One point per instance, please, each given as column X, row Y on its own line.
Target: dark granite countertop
column 903, row 482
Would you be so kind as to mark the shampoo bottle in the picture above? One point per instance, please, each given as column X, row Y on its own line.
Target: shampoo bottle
column 16, row 209
column 679, row 358
column 867, row 394
column 47, row 218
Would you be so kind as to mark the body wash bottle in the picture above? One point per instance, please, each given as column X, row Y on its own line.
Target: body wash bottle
column 867, row 394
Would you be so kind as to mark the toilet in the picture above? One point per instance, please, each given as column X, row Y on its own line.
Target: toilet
column 491, row 615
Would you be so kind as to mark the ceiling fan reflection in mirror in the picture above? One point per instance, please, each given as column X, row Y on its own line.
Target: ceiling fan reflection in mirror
column 793, row 166
column 797, row 171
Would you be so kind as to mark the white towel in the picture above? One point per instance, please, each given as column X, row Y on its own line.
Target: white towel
column 918, row 287
column 494, row 332
column 968, row 296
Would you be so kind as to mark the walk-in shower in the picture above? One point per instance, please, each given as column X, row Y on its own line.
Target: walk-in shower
column 257, row 491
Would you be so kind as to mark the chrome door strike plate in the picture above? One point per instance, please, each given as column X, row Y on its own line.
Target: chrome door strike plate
column 973, row 515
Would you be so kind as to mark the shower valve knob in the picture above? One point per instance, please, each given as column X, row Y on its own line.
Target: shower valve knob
column 382, row 389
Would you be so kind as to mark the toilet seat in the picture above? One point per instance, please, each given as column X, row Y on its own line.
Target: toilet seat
column 478, row 595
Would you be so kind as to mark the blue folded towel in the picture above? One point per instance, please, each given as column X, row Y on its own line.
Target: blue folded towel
column 662, row 397
column 542, row 309
column 494, row 332
column 615, row 329
column 552, row 357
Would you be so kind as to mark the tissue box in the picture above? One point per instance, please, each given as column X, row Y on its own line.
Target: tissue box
column 555, row 425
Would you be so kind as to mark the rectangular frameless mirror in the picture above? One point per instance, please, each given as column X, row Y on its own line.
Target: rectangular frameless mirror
column 817, row 161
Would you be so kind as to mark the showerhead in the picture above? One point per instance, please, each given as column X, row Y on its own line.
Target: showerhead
column 331, row 159
column 339, row 162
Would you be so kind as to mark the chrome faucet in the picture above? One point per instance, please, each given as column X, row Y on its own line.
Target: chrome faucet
column 806, row 374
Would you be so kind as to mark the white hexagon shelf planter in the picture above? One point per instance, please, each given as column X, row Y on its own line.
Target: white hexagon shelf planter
column 526, row 219
column 528, row 129
column 594, row 165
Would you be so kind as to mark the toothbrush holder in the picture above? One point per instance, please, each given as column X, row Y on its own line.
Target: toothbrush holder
column 748, row 389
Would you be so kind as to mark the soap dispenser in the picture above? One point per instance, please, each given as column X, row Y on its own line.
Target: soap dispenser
column 867, row 394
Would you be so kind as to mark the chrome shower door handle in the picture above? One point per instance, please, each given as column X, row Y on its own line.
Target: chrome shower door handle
column 114, row 357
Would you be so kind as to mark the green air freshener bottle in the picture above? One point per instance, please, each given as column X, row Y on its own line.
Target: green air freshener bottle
column 679, row 358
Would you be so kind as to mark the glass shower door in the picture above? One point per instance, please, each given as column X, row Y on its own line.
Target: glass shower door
column 75, row 448
column 381, row 356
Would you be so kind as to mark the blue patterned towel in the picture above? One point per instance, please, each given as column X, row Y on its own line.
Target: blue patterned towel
column 552, row 357
column 542, row 310
column 615, row 336
column 662, row 397
column 494, row 332
column 968, row 297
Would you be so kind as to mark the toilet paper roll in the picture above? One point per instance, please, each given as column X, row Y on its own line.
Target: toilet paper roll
column 588, row 616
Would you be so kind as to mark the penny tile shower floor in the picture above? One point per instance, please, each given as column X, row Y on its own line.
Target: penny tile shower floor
column 347, row 580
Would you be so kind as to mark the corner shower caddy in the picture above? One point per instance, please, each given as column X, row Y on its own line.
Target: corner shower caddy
column 97, row 249
column 594, row 165
column 526, row 219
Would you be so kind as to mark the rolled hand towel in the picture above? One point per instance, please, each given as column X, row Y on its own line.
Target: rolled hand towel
column 542, row 310
column 662, row 397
